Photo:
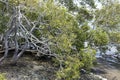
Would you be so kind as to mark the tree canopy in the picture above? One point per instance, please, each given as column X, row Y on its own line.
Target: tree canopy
column 59, row 29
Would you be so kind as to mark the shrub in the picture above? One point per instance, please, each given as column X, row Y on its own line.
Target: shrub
column 2, row 77
column 71, row 69
column 73, row 63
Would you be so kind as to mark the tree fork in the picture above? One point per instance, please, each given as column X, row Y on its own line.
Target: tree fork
column 17, row 31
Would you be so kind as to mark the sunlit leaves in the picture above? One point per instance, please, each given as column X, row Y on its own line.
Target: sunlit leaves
column 2, row 76
column 115, row 37
column 30, row 3
column 59, row 25
column 87, row 57
column 82, row 36
column 110, row 18
column 100, row 37
column 84, row 15
column 72, row 68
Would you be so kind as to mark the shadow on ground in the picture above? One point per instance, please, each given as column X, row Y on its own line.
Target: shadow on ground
column 28, row 68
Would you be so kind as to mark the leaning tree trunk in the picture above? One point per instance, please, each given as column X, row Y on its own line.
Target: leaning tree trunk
column 18, row 32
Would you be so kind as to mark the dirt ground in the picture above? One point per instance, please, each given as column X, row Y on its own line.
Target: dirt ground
column 28, row 68
column 108, row 70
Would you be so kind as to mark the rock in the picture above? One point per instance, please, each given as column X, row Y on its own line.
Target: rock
column 35, row 67
column 82, row 71
column 89, row 77
column 100, row 77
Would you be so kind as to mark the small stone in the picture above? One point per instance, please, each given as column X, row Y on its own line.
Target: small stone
column 38, row 67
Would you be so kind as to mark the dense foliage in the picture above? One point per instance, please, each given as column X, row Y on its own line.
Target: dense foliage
column 57, row 28
column 109, row 20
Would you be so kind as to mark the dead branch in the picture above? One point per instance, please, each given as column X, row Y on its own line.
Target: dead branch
column 17, row 31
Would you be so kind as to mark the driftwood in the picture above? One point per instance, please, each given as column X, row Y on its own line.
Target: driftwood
column 17, row 31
